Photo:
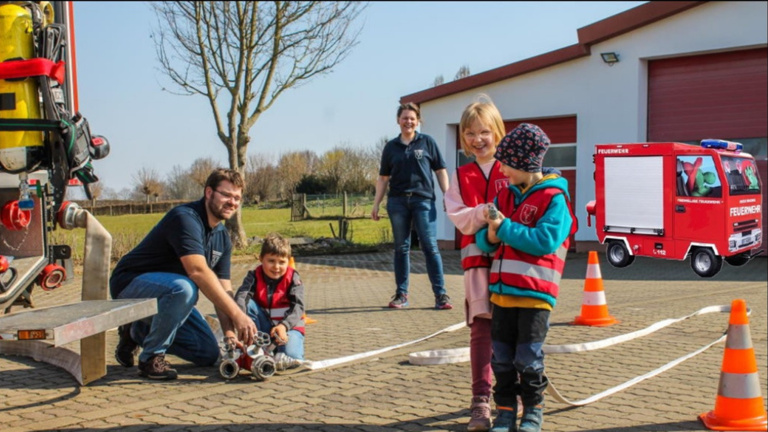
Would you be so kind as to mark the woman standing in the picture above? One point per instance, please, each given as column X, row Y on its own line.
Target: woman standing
column 407, row 163
column 473, row 185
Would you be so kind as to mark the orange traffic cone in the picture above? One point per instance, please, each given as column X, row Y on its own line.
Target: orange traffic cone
column 739, row 404
column 594, row 310
column 307, row 320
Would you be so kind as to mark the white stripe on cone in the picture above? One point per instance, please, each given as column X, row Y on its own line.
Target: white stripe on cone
column 593, row 298
column 593, row 271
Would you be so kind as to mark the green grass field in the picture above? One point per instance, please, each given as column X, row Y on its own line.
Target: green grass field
column 128, row 230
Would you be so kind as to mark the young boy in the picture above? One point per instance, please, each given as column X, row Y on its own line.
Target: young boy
column 273, row 297
column 529, row 235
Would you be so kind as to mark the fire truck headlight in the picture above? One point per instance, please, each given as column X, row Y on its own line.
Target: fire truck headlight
column 732, row 244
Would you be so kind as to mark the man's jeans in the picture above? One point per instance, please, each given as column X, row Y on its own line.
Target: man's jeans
column 178, row 328
column 294, row 348
column 419, row 213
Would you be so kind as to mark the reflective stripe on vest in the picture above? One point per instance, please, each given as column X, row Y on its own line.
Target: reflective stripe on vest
column 513, row 267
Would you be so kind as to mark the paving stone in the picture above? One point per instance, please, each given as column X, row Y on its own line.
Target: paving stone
column 348, row 294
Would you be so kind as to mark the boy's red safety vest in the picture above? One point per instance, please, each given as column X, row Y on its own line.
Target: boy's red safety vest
column 280, row 302
column 476, row 189
column 522, row 270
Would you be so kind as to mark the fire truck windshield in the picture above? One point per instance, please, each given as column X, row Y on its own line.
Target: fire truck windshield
column 741, row 174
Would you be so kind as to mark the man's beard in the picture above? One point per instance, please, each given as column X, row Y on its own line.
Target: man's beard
column 218, row 213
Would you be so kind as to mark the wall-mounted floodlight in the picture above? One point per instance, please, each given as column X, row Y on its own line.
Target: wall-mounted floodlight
column 610, row 58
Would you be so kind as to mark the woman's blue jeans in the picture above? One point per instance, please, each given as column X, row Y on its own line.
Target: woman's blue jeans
column 177, row 328
column 294, row 348
column 406, row 212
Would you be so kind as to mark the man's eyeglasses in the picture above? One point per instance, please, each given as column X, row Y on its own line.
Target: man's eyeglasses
column 229, row 196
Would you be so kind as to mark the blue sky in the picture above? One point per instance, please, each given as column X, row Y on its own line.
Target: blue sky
column 402, row 48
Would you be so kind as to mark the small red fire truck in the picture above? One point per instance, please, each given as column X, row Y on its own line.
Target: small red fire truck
column 673, row 200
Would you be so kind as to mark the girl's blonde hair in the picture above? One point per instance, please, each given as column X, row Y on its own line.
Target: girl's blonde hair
column 484, row 111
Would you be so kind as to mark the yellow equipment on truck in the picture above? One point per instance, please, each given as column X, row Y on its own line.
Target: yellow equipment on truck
column 45, row 146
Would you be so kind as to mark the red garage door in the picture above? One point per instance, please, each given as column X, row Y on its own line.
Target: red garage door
column 722, row 95
column 561, row 154
column 708, row 96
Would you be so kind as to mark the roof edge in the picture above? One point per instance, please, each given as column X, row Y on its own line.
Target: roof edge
column 599, row 31
column 625, row 22
column 504, row 72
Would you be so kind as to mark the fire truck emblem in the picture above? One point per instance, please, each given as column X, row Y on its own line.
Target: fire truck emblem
column 527, row 213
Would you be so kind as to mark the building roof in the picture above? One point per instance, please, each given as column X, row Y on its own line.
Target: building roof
column 597, row 32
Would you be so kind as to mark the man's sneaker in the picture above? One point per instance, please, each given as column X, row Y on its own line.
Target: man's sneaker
column 400, row 300
column 284, row 362
column 156, row 368
column 126, row 346
column 480, row 414
column 506, row 421
column 443, row 302
column 532, row 419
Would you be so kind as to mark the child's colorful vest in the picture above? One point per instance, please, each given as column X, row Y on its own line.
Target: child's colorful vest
column 518, row 269
column 476, row 189
column 280, row 302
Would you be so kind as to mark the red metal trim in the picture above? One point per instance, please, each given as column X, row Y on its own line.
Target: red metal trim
column 72, row 53
column 632, row 19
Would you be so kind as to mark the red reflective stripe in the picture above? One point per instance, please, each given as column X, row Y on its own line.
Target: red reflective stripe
column 33, row 67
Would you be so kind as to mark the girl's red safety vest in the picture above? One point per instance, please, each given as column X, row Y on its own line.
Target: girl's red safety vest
column 518, row 269
column 476, row 189
column 280, row 302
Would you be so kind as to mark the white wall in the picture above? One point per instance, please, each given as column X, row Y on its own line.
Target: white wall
column 610, row 102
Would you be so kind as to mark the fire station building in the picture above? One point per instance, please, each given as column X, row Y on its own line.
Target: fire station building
column 664, row 71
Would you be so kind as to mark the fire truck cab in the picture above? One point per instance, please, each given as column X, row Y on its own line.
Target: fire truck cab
column 674, row 200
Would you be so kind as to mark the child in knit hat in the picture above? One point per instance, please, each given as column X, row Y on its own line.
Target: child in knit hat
column 529, row 237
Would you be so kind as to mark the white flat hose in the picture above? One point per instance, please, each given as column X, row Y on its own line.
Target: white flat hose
column 459, row 355
column 314, row 365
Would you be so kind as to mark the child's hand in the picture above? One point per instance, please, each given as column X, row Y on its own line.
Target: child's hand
column 493, row 216
column 279, row 334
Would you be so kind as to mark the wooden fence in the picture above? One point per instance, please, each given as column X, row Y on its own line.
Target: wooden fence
column 124, row 208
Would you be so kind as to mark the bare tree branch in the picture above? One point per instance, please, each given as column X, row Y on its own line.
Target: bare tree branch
column 242, row 55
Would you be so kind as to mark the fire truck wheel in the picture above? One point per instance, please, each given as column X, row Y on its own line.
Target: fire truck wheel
column 737, row 260
column 618, row 255
column 705, row 263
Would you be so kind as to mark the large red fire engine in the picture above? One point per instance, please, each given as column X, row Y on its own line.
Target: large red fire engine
column 674, row 201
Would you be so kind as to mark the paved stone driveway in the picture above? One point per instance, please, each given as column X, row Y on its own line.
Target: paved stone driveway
column 347, row 296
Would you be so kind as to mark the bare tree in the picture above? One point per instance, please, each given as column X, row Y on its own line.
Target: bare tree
column 200, row 170
column 179, row 184
column 333, row 168
column 439, row 80
column 463, row 72
column 147, row 182
column 361, row 174
column 261, row 178
column 293, row 166
column 97, row 190
column 242, row 55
